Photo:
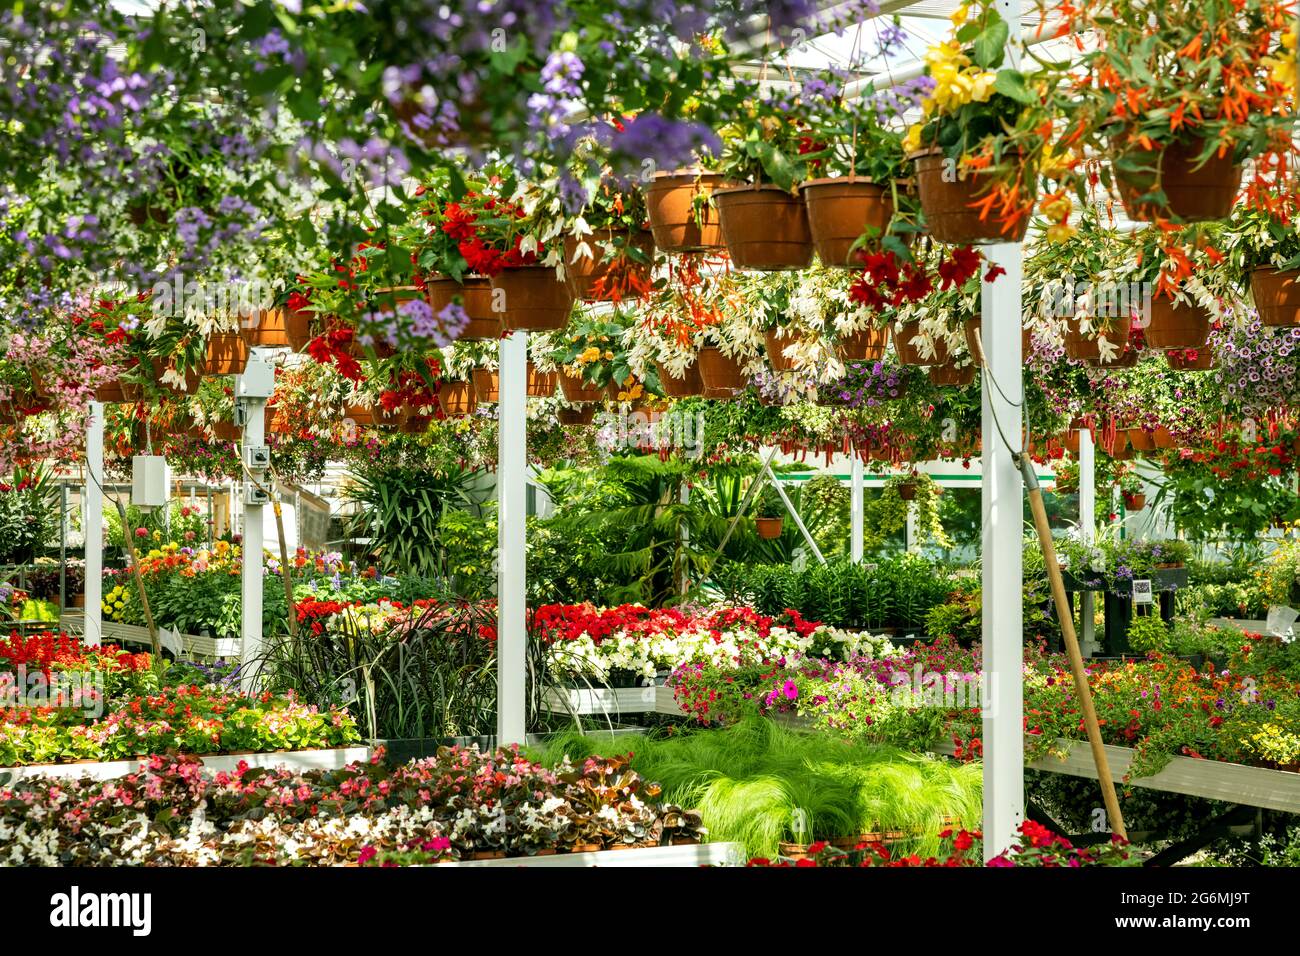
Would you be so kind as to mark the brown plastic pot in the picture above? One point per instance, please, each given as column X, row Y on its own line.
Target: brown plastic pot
column 1194, row 195
column 865, row 345
column 769, row 528
column 487, row 385
column 363, row 416
column 910, row 354
column 949, row 374
column 226, row 431
column 681, row 216
column 1070, row 441
column 766, row 228
column 227, row 354
column 534, row 299
column 907, row 490
column 541, row 384
column 1162, row 438
column 721, row 375
column 840, row 211
column 1176, row 325
column 688, row 385
column 270, row 327
column 776, row 345
column 949, row 217
column 1141, row 439
column 390, row 418
column 1190, row 360
column 591, row 280
column 1084, row 348
column 1135, row 502
column 578, row 390
column 1276, row 295
column 976, row 324
column 415, row 424
column 576, row 416
column 117, row 393
column 475, row 298
column 457, row 398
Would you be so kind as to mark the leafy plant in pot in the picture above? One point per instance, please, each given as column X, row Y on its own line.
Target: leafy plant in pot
column 769, row 514
column 608, row 252
column 985, row 136
column 764, row 221
column 1266, row 250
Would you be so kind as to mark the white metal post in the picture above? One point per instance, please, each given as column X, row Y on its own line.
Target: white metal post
column 93, row 526
column 512, row 464
column 856, row 505
column 1003, row 523
column 1087, row 532
column 251, row 623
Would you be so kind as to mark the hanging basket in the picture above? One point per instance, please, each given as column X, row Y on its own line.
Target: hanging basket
column 907, row 490
column 682, row 217
column 577, row 390
column 840, row 211
column 363, row 416
column 457, row 398
column 533, row 298
column 766, row 228
column 1070, row 441
column 541, row 384
column 721, row 375
column 776, row 350
column 1141, row 440
column 227, row 354
column 688, row 385
column 118, row 392
column 487, row 385
column 1084, row 348
column 475, row 298
column 1276, row 295
column 576, row 416
column 866, row 345
column 269, row 328
column 1177, row 325
column 390, row 418
column 1135, row 502
column 415, row 424
column 1117, row 447
column 226, row 431
column 1191, row 360
column 975, row 325
column 1162, row 438
column 949, row 217
column 951, row 375
column 769, row 528
column 298, row 327
column 1194, row 194
column 590, row 280
column 909, row 353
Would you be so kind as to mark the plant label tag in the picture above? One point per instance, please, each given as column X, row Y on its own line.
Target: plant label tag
column 1141, row 590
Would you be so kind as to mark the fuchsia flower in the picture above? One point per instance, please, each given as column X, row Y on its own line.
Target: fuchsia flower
column 789, row 690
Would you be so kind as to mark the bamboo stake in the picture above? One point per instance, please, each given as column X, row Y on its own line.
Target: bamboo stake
column 1071, row 644
column 128, row 536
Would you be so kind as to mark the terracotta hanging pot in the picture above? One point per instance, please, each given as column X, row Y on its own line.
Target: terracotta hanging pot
column 578, row 390
column 475, row 298
column 1190, row 360
column 865, row 345
column 227, row 354
column 1141, row 439
column 226, row 431
column 582, row 415
column 300, row 327
column 415, row 424
column 390, row 418
column 1070, row 441
column 595, row 279
column 1127, row 359
column 363, row 416
column 192, row 380
column 457, row 398
column 1162, row 438
column 118, row 392
column 1177, row 325
column 842, row 210
column 721, row 375
column 907, row 490
column 1276, row 295
column 1194, row 194
column 681, row 215
column 1117, row 447
column 769, row 528
column 1084, row 348
column 541, row 384
column 766, row 228
column 949, row 216
column 269, row 328
column 1135, row 502
column 776, row 345
column 949, row 374
column 974, row 326
column 909, row 352
column 533, row 298
column 685, row 387
column 487, row 385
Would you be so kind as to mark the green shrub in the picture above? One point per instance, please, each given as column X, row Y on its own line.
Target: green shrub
column 1148, row 632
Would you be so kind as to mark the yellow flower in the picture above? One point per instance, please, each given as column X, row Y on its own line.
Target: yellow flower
column 1057, row 209
column 1053, row 166
column 912, row 141
column 982, row 85
column 1060, row 232
column 959, row 15
column 590, row 355
column 609, row 356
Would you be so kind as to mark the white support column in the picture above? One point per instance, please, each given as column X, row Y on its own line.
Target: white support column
column 93, row 526
column 512, row 465
column 1087, row 531
column 1003, row 530
column 252, row 389
column 856, row 506
column 911, row 541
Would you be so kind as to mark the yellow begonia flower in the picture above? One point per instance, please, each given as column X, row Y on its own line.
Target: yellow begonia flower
column 590, row 355
column 959, row 15
column 1060, row 232
column 1058, row 208
column 912, row 141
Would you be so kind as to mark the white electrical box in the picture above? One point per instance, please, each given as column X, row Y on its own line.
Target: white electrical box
column 254, row 495
column 257, row 457
column 151, row 481
column 258, row 380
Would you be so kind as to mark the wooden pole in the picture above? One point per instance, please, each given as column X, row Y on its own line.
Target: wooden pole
column 1072, row 645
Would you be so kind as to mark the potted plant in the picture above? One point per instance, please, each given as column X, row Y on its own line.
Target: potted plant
column 984, row 139
column 1265, row 248
column 763, row 220
column 769, row 513
column 608, row 251
column 855, row 158
column 681, row 212
column 1131, row 487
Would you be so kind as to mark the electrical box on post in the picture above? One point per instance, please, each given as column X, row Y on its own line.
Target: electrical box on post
column 254, row 495
column 150, row 481
column 258, row 380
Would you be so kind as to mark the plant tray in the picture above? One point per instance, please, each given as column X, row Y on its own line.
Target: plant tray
column 196, row 646
column 610, row 701
column 331, row 759
column 1162, row 579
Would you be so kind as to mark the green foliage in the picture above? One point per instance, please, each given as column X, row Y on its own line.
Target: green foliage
column 759, row 784
column 959, row 617
column 895, row 592
column 28, row 515
column 1148, row 632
